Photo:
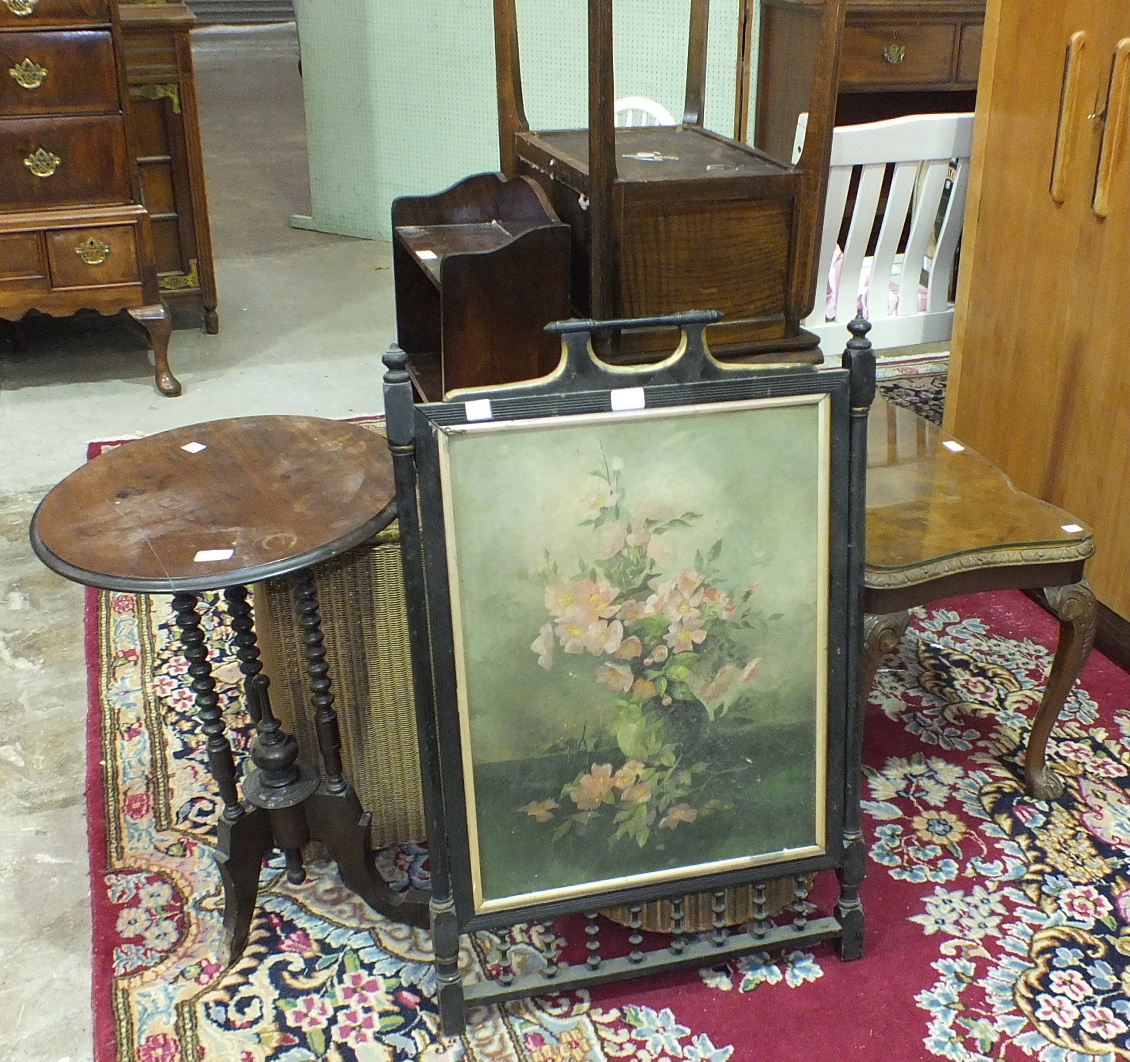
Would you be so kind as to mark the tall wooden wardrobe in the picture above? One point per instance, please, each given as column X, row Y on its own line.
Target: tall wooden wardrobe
column 1040, row 369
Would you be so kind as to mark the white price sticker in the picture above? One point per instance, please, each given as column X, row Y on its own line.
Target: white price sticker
column 205, row 555
column 479, row 409
column 628, row 398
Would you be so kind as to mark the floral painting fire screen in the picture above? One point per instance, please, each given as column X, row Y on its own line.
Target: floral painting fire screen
column 634, row 610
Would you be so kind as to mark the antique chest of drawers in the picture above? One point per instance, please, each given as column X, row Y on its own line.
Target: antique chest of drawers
column 912, row 56
column 898, row 57
column 73, row 232
column 164, row 127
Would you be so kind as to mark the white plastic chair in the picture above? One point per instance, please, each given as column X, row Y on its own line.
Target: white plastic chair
column 639, row 110
column 903, row 287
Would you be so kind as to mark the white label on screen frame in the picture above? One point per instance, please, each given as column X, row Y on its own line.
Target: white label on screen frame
column 627, row 398
column 478, row 409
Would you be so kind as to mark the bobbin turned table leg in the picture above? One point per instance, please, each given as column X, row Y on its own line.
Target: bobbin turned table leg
column 334, row 812
column 242, row 839
column 284, row 803
column 275, row 790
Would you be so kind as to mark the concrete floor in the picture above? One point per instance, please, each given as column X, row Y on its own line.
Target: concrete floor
column 304, row 319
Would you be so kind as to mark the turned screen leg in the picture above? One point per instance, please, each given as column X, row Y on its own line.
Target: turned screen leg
column 881, row 634
column 158, row 324
column 1074, row 605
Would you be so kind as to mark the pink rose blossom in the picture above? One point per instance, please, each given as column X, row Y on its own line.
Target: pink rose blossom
column 644, row 689
column 592, row 788
column 633, row 610
column 630, row 648
column 571, row 634
column 603, row 638
column 615, row 676
column 629, row 774
column 544, row 645
column 683, row 639
column 1084, row 904
column 679, row 813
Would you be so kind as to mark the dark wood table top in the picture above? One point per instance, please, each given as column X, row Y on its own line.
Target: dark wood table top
column 935, row 507
column 661, row 153
column 215, row 505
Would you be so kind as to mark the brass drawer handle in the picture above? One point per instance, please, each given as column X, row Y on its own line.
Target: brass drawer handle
column 93, row 252
column 894, row 53
column 42, row 163
column 28, row 74
column 21, row 8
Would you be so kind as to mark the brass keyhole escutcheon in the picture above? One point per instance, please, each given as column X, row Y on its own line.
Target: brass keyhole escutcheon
column 93, row 252
column 42, row 163
column 21, row 8
column 28, row 74
column 894, row 53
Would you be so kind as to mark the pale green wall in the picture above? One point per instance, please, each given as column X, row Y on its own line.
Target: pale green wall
column 400, row 94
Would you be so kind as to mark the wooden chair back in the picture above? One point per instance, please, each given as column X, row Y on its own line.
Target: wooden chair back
column 899, row 186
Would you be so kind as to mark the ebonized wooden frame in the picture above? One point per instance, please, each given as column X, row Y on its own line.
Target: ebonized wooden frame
column 582, row 385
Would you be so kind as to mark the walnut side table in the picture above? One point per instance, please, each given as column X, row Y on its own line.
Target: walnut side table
column 942, row 521
column 217, row 506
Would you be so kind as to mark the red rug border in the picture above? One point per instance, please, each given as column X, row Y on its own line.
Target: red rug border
column 102, row 948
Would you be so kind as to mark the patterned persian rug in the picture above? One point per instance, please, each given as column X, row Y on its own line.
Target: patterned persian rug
column 998, row 926
column 924, row 393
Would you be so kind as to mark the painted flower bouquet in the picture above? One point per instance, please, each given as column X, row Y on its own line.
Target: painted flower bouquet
column 674, row 655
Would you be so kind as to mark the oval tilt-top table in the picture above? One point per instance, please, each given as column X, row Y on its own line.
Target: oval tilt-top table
column 218, row 506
